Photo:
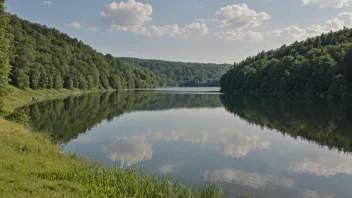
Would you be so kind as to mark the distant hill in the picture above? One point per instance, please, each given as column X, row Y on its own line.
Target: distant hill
column 317, row 66
column 43, row 57
column 185, row 74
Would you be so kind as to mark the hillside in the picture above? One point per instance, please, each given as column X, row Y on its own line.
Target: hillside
column 43, row 57
column 317, row 66
column 185, row 74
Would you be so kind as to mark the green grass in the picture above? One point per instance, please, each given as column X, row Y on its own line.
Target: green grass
column 32, row 166
column 19, row 97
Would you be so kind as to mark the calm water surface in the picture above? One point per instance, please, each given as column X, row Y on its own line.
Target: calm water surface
column 272, row 147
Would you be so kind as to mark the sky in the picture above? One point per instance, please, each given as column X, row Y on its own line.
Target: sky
column 217, row 31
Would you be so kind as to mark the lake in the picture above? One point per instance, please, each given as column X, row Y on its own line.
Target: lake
column 268, row 146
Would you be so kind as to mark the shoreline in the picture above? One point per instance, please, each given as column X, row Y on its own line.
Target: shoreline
column 32, row 165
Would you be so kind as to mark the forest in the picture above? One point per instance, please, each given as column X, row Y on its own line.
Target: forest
column 43, row 57
column 184, row 74
column 4, row 46
column 65, row 119
column 320, row 65
column 324, row 122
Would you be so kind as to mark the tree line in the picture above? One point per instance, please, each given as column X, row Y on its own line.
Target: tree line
column 183, row 74
column 317, row 66
column 44, row 58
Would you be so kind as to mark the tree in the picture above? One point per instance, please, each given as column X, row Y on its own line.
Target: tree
column 318, row 66
column 44, row 58
column 4, row 56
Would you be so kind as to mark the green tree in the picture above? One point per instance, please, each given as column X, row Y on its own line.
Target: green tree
column 4, row 56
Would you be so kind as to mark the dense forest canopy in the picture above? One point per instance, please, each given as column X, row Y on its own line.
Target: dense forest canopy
column 43, row 57
column 317, row 66
column 185, row 74
column 4, row 45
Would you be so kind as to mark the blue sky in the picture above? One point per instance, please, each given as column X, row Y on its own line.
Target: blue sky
column 221, row 31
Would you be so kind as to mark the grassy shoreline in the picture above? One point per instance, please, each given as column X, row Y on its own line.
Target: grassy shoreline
column 31, row 165
column 18, row 97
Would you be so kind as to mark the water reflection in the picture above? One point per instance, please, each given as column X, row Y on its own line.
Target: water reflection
column 136, row 148
column 327, row 123
column 253, row 180
column 324, row 166
column 240, row 144
column 65, row 119
column 129, row 149
column 272, row 147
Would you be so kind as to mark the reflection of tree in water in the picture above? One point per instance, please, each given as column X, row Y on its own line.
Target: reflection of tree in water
column 65, row 119
column 323, row 122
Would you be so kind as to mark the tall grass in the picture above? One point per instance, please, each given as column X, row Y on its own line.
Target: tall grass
column 32, row 166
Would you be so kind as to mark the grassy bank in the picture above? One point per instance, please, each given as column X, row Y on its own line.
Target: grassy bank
column 32, row 166
column 19, row 97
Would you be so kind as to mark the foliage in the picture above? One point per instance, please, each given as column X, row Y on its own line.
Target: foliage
column 184, row 74
column 31, row 166
column 44, row 58
column 4, row 46
column 65, row 119
column 317, row 66
column 324, row 122
column 18, row 116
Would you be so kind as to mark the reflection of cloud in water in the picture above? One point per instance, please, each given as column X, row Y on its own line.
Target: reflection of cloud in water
column 315, row 194
column 324, row 166
column 167, row 168
column 84, row 139
column 129, row 150
column 196, row 138
column 239, row 144
column 133, row 149
column 252, row 180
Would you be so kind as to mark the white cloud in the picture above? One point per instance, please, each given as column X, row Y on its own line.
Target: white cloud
column 328, row 3
column 132, row 16
column 317, row 29
column 131, row 52
column 94, row 29
column 165, row 30
column 346, row 17
column 48, row 2
column 292, row 30
column 130, row 13
column 240, row 16
column 342, row 19
column 239, row 35
column 74, row 25
column 202, row 28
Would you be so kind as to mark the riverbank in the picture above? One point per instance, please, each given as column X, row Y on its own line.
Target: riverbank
column 32, row 166
column 19, row 97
